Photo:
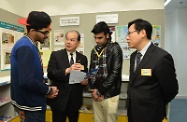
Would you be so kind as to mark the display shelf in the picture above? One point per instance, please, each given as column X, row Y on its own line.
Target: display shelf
column 4, row 80
column 123, row 96
column 125, row 78
column 9, row 119
column 87, row 95
column 6, row 108
column 4, row 83
column 5, row 102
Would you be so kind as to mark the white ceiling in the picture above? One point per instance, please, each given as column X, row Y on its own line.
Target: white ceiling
column 175, row 4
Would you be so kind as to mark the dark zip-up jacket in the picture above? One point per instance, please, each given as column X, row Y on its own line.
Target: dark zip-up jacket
column 111, row 85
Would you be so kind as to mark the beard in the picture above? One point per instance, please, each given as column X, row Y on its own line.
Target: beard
column 42, row 41
column 99, row 48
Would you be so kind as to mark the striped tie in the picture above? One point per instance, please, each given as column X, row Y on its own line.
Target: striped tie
column 71, row 60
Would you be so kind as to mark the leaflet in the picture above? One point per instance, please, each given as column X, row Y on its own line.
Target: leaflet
column 76, row 76
column 91, row 73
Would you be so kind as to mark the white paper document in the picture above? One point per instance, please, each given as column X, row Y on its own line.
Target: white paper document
column 76, row 76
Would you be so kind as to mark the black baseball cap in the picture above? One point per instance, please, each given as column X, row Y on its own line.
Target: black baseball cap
column 36, row 19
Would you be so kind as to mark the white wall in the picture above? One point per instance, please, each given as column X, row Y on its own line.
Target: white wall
column 13, row 6
column 176, row 44
column 65, row 7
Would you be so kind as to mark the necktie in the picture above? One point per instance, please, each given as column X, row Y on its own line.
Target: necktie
column 71, row 60
column 138, row 58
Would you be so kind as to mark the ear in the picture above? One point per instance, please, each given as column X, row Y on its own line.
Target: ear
column 107, row 36
column 78, row 43
column 32, row 30
column 143, row 33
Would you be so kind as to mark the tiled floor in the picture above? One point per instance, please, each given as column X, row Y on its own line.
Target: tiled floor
column 178, row 110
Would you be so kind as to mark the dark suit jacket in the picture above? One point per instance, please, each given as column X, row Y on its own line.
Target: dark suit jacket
column 149, row 95
column 56, row 73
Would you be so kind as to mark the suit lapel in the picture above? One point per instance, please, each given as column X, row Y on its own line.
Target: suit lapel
column 132, row 63
column 65, row 57
column 146, row 58
column 78, row 57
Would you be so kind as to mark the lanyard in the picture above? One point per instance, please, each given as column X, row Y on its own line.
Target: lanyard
column 99, row 55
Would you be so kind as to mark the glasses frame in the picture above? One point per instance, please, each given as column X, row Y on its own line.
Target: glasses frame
column 128, row 33
column 45, row 33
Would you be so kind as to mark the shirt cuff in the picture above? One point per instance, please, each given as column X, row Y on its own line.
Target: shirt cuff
column 49, row 90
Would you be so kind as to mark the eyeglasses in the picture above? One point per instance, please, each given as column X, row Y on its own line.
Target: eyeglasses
column 128, row 33
column 71, row 39
column 45, row 33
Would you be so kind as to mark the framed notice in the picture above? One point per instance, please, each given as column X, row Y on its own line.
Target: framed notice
column 67, row 21
column 108, row 18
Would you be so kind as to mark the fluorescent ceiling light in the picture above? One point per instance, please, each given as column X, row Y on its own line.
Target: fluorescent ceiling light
column 166, row 2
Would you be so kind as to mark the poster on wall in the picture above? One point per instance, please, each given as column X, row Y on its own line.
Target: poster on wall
column 9, row 34
column 121, row 33
column 59, row 36
column 61, row 45
column 112, row 29
column 45, row 51
column 81, row 45
column 126, row 50
column 46, row 45
column 156, row 35
column 56, row 48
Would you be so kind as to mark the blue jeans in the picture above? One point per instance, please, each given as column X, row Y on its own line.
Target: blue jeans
column 31, row 116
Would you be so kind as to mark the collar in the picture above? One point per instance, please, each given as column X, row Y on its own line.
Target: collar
column 143, row 51
column 31, row 40
column 74, row 53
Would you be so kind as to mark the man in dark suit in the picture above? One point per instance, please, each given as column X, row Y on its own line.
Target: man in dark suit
column 153, row 82
column 69, row 99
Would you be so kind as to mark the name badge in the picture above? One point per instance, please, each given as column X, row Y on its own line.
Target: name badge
column 146, row 72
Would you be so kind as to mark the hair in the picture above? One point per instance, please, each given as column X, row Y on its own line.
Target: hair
column 78, row 34
column 101, row 27
column 30, row 27
column 37, row 20
column 141, row 24
column 33, row 27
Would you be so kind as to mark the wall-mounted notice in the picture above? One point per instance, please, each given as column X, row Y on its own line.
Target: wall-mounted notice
column 156, row 35
column 113, row 35
column 9, row 34
column 108, row 18
column 80, row 49
column 121, row 33
column 66, row 21
column 59, row 36
column 45, row 50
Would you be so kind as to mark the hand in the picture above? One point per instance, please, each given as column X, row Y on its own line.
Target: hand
column 84, row 82
column 75, row 66
column 96, row 96
column 100, row 98
column 54, row 92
